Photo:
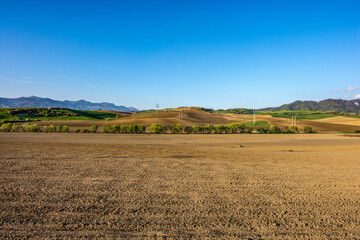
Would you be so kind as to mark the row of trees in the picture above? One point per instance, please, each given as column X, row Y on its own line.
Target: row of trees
column 154, row 128
column 58, row 129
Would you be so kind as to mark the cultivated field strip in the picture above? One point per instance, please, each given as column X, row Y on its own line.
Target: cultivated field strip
column 61, row 190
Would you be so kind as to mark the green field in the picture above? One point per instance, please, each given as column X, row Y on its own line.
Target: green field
column 146, row 112
column 43, row 114
column 257, row 124
column 302, row 115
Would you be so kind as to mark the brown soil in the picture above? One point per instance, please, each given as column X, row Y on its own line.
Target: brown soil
column 179, row 186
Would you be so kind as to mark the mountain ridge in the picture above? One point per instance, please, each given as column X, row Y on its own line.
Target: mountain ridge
column 338, row 105
column 34, row 101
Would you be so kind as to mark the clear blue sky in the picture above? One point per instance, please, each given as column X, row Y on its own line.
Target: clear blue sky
column 217, row 54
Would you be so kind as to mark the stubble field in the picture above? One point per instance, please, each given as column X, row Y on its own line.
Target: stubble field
column 179, row 186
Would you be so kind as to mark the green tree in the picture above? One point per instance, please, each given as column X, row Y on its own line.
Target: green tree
column 261, row 130
column 274, row 129
column 208, row 129
column 248, row 130
column 220, row 129
column 157, row 128
column 15, row 127
column 242, row 128
column 131, row 128
column 65, row 129
column 188, row 129
column 59, row 128
column 30, row 127
column 294, row 129
column 107, row 128
column 234, row 127
column 6, row 127
column 176, row 128
column 116, row 128
column 123, row 128
column 308, row 129
column 49, row 129
column 196, row 129
column 141, row 128
column 94, row 128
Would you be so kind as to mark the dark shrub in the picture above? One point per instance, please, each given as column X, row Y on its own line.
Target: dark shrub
column 188, row 129
column 94, row 128
column 274, row 129
column 308, row 129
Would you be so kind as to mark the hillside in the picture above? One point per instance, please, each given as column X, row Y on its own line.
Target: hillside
column 337, row 105
column 34, row 101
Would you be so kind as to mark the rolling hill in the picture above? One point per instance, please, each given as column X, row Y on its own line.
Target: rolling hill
column 34, row 101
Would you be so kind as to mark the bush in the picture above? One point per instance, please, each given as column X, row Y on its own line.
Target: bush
column 15, row 127
column 176, row 128
column 242, row 128
column 196, row 129
column 357, row 131
column 116, row 128
column 141, row 128
column 262, row 130
column 188, row 129
column 94, row 128
column 108, row 129
column 65, row 129
column 59, row 128
column 248, row 130
column 157, row 128
column 294, row 129
column 287, row 131
column 308, row 129
column 77, row 130
column 208, row 129
column 131, row 128
column 30, row 127
column 220, row 128
column 274, row 129
column 234, row 127
column 85, row 130
column 123, row 128
column 6, row 127
column 49, row 129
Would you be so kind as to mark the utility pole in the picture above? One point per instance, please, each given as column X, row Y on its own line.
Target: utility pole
column 292, row 120
column 295, row 120
column 157, row 108
column 254, row 117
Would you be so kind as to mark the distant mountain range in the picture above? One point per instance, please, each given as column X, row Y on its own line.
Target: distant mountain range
column 338, row 105
column 34, row 101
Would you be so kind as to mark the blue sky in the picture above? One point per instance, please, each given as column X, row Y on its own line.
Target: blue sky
column 218, row 54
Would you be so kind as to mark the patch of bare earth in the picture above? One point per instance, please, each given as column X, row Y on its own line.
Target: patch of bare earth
column 266, row 188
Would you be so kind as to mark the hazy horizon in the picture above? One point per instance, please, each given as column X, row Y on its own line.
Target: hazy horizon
column 216, row 54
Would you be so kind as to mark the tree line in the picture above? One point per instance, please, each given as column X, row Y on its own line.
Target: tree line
column 155, row 129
